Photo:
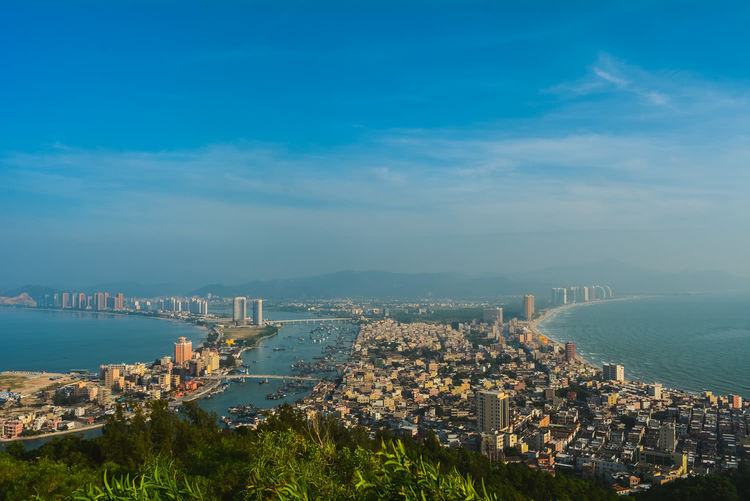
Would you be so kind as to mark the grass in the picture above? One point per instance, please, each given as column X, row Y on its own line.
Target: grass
column 12, row 382
column 249, row 335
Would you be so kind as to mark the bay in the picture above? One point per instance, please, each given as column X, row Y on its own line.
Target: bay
column 690, row 342
column 60, row 340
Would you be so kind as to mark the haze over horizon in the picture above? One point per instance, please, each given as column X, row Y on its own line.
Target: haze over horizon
column 157, row 141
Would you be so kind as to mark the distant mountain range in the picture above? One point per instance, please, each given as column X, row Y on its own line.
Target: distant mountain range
column 624, row 279
column 628, row 279
column 371, row 284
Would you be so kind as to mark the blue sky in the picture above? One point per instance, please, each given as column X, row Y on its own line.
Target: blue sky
column 225, row 141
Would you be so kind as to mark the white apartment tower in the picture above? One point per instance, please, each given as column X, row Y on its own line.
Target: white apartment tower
column 240, row 311
column 258, row 312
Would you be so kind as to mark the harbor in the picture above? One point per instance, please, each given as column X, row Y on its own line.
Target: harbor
column 281, row 369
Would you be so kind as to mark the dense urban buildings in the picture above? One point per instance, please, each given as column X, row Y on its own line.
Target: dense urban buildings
column 495, row 386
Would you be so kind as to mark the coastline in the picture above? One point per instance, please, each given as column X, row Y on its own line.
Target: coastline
column 53, row 434
column 110, row 313
column 679, row 378
column 83, row 429
column 550, row 312
column 250, row 344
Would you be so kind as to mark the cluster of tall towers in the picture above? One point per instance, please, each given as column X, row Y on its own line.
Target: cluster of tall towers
column 80, row 301
column 580, row 294
column 239, row 313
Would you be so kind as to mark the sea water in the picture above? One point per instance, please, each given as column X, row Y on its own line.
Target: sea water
column 691, row 342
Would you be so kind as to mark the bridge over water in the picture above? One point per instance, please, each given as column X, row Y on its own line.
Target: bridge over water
column 310, row 320
column 262, row 376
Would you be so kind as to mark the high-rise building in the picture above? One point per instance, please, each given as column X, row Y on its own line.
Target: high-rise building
column 493, row 315
column 735, row 401
column 82, row 301
column 493, row 411
column 103, row 396
column 119, row 302
column 100, row 302
column 570, row 351
column 67, row 301
column 528, row 306
column 654, row 390
column 559, row 296
column 183, row 351
column 239, row 314
column 613, row 372
column 258, row 312
column 213, row 361
column 111, row 375
column 667, row 437
column 198, row 306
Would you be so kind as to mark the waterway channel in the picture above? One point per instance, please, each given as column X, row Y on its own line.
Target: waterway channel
column 276, row 354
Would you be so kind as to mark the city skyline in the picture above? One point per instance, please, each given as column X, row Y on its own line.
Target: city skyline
column 369, row 250
column 279, row 142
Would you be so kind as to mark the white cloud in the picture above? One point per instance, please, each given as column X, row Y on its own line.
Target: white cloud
column 610, row 75
column 604, row 75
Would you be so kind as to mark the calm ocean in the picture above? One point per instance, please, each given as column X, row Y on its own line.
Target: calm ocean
column 58, row 341
column 691, row 342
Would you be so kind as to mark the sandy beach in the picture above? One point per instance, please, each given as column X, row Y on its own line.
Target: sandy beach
column 552, row 311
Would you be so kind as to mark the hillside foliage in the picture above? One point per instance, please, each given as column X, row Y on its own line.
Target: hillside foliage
column 188, row 456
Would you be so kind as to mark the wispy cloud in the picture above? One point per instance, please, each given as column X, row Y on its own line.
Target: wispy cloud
column 610, row 75
column 399, row 172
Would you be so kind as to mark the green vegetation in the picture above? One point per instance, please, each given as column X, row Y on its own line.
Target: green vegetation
column 733, row 486
column 66, row 400
column 188, row 456
column 628, row 420
column 582, row 392
column 10, row 383
column 249, row 335
column 443, row 316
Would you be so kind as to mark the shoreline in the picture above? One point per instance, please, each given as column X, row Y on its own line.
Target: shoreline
column 204, row 328
column 550, row 312
column 53, row 434
column 106, row 312
column 674, row 386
